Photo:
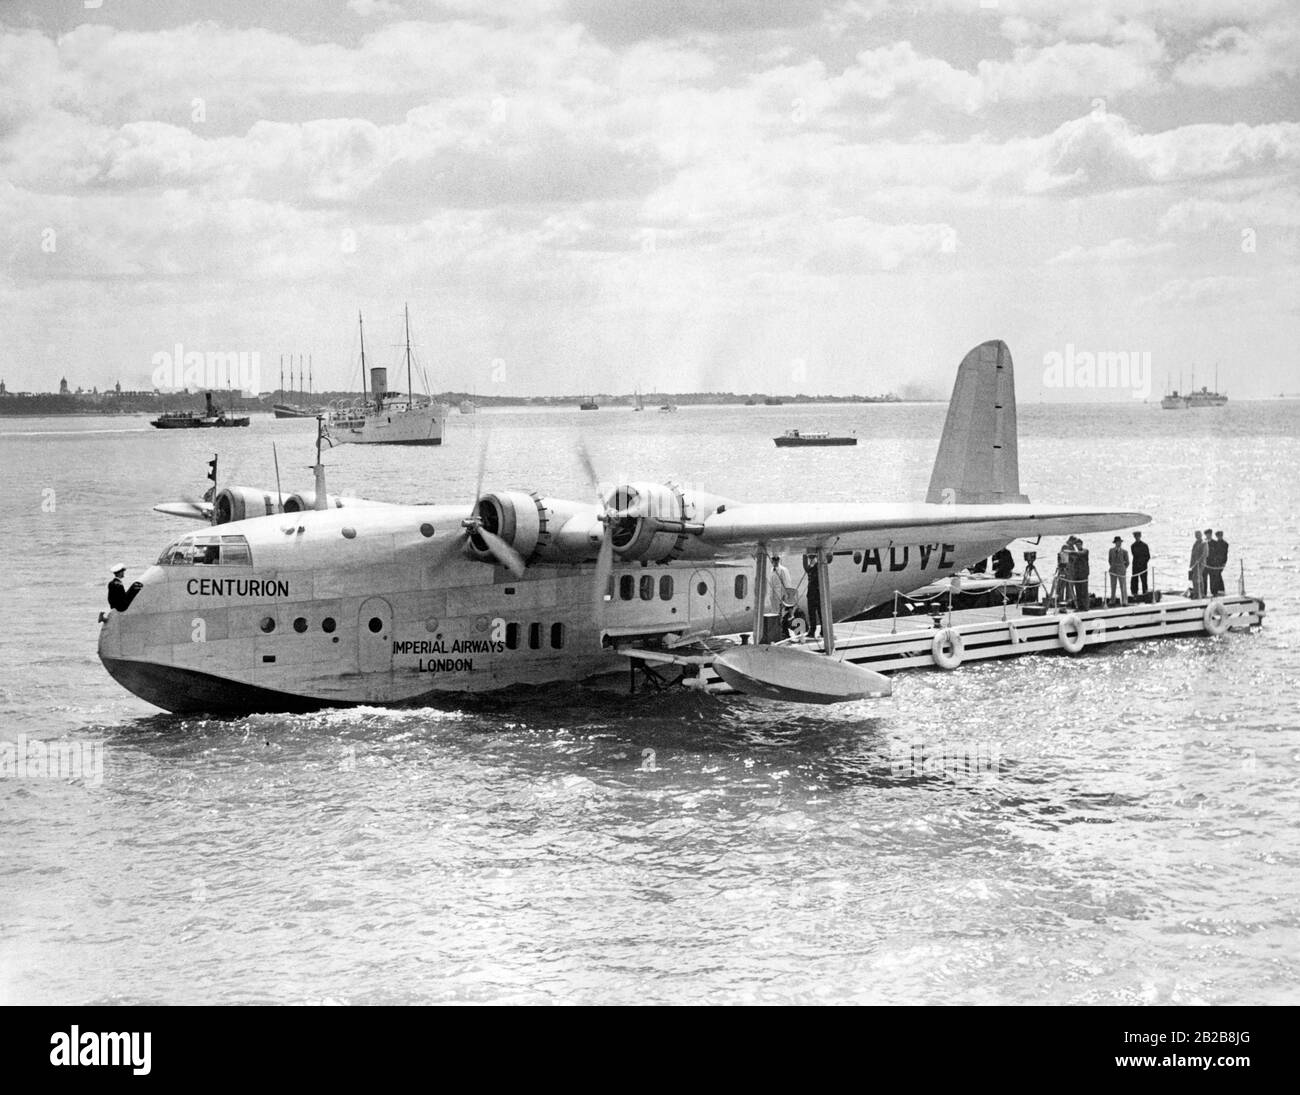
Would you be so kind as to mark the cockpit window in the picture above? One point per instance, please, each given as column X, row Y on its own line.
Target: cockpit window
column 231, row 551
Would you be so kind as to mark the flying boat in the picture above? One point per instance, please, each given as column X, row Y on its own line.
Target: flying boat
column 289, row 603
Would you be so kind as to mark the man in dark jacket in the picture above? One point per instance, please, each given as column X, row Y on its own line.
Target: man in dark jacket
column 119, row 597
column 1216, row 558
column 1141, row 563
column 1117, row 569
column 814, row 593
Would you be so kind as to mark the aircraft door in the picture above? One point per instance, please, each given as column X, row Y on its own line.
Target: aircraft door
column 701, row 599
column 375, row 635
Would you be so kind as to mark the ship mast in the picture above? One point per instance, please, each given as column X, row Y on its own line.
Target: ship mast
column 282, row 376
column 361, row 329
column 410, row 392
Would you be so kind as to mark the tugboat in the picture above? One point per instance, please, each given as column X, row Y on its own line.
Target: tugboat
column 383, row 417
column 212, row 417
column 795, row 438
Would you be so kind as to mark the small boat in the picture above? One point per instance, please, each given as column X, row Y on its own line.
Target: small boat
column 640, row 403
column 669, row 408
column 795, row 438
column 588, row 404
column 773, row 401
column 468, row 406
column 212, row 417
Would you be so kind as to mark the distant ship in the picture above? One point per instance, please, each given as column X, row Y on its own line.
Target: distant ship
column 640, row 403
column 669, row 408
column 1206, row 398
column 294, row 410
column 467, row 406
column 383, row 417
column 1181, row 401
column 797, row 438
column 212, row 417
column 588, row 404
column 774, row 401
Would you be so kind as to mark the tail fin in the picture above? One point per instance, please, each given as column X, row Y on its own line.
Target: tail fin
column 977, row 461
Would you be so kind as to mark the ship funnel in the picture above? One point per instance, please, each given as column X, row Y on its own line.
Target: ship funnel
column 378, row 381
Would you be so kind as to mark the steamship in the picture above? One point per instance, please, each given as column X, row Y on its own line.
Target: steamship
column 382, row 417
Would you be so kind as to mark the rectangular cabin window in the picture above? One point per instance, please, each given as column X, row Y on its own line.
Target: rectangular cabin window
column 626, row 587
column 647, row 587
column 557, row 636
column 666, row 588
column 512, row 636
column 534, row 636
column 740, row 587
column 207, row 551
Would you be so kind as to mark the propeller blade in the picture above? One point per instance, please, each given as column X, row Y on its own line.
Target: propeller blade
column 196, row 511
column 590, row 470
column 600, row 580
column 504, row 554
column 482, row 467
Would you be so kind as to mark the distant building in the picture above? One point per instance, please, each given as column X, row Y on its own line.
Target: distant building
column 3, row 389
column 63, row 387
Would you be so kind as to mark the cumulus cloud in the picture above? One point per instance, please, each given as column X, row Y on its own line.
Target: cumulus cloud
column 1122, row 249
column 1236, row 56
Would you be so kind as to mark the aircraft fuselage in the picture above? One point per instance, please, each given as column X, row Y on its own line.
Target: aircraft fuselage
column 381, row 606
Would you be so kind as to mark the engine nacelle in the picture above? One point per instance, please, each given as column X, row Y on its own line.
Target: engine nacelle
column 662, row 519
column 516, row 516
column 576, row 540
column 239, row 503
column 306, row 499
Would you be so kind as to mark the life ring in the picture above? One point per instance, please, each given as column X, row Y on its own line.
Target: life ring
column 1072, row 633
column 938, row 648
column 1215, row 617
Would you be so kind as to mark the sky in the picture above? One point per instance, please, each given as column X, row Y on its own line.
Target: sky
column 673, row 195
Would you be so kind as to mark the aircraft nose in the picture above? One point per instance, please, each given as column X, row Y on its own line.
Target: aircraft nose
column 110, row 634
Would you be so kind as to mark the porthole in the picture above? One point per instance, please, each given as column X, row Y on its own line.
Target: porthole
column 376, row 625
column 742, row 583
column 512, row 636
column 268, row 624
column 328, row 625
column 647, row 587
column 300, row 625
column 666, row 588
column 426, row 529
column 702, row 588
column 349, row 533
column 534, row 636
column 557, row 636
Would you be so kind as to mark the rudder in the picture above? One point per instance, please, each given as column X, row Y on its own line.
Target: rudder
column 978, row 462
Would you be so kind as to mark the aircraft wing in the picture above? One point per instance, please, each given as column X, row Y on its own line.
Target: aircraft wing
column 795, row 525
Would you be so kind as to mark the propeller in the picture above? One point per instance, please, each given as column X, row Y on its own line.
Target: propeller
column 502, row 552
column 605, row 556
